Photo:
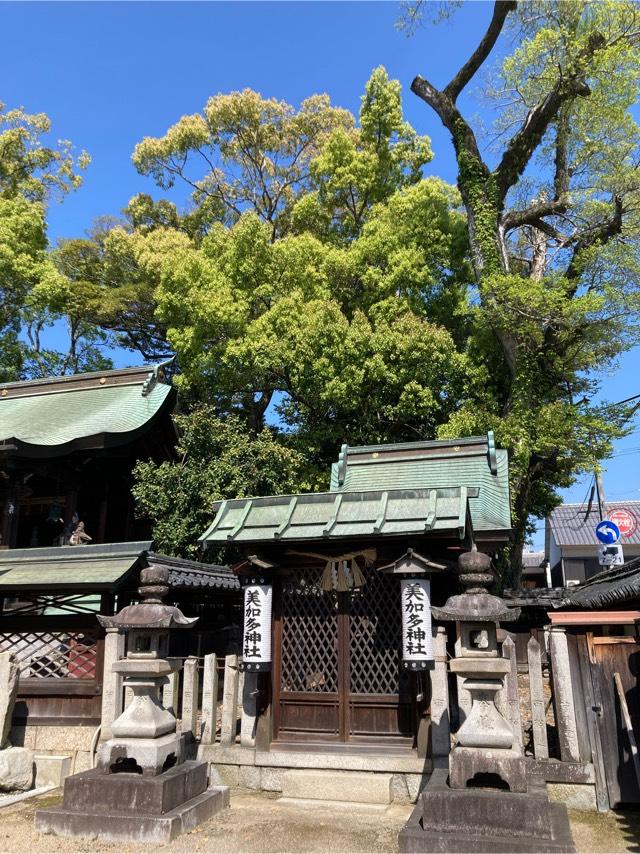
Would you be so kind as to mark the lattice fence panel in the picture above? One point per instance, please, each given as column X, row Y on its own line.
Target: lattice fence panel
column 376, row 636
column 309, row 635
column 53, row 655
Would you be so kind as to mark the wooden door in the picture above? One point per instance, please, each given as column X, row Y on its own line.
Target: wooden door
column 610, row 655
column 337, row 675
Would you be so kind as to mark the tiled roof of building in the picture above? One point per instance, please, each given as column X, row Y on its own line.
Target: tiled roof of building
column 532, row 560
column 72, row 568
column 192, row 574
column 618, row 585
column 329, row 516
column 474, row 463
column 613, row 586
column 92, row 409
column 571, row 526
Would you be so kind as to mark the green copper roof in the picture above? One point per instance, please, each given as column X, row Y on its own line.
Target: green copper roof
column 329, row 516
column 56, row 412
column 99, row 567
column 474, row 463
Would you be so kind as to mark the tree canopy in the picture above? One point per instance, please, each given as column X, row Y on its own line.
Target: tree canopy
column 317, row 288
column 553, row 229
column 32, row 175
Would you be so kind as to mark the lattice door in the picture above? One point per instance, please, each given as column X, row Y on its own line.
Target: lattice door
column 53, row 655
column 375, row 636
column 309, row 635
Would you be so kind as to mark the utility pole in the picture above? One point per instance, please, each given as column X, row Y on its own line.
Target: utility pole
column 602, row 508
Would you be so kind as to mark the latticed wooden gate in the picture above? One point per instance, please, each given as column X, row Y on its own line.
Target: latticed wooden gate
column 337, row 673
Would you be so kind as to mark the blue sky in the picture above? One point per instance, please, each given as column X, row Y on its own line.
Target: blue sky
column 109, row 74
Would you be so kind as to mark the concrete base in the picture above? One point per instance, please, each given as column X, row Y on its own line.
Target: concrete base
column 339, row 786
column 485, row 820
column 132, row 807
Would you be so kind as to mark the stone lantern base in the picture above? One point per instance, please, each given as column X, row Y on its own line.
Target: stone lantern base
column 485, row 820
column 127, row 807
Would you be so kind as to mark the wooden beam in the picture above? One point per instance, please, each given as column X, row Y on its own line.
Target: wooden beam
column 593, row 618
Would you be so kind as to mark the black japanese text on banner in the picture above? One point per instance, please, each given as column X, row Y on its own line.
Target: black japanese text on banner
column 256, row 642
column 417, row 644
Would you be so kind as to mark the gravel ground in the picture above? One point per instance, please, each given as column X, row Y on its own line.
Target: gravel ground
column 258, row 823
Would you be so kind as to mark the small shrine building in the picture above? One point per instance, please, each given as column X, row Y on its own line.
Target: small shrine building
column 328, row 578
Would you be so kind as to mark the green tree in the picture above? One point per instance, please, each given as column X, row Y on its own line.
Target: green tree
column 217, row 458
column 32, row 174
column 553, row 229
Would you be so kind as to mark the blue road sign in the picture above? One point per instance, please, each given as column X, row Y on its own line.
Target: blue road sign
column 607, row 532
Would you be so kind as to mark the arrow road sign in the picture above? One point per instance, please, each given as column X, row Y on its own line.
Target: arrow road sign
column 607, row 532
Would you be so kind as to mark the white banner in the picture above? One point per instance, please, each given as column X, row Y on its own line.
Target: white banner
column 417, row 643
column 256, row 640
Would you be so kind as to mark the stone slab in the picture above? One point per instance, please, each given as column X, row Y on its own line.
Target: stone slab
column 485, row 811
column 575, row 796
column 249, row 777
column 554, row 771
column 414, row 840
column 339, row 786
column 140, row 827
column 51, row 770
column 333, row 806
column 9, row 678
column 231, row 755
column 485, row 820
column 96, row 792
column 398, row 763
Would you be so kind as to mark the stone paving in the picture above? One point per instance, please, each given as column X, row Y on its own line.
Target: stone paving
column 258, row 823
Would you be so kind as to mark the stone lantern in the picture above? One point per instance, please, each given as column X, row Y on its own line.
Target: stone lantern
column 144, row 736
column 485, row 739
column 142, row 789
column 485, row 800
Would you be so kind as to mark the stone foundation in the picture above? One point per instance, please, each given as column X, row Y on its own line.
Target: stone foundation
column 67, row 741
column 265, row 771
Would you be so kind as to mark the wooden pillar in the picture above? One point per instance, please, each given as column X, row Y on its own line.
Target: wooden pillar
column 111, row 682
column 563, row 695
column 440, row 731
column 538, row 713
column 229, row 723
column 210, row 699
column 190, row 696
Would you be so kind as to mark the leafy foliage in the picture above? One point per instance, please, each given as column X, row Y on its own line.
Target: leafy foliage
column 31, row 175
column 217, row 459
column 553, row 230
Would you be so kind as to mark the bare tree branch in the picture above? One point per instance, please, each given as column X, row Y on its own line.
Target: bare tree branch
column 526, row 140
column 600, row 234
column 500, row 11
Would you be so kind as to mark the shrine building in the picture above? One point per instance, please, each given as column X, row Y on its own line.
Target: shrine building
column 338, row 588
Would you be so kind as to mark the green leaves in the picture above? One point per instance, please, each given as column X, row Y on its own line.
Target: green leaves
column 218, row 458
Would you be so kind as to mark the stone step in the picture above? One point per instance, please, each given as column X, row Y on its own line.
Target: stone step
column 343, row 786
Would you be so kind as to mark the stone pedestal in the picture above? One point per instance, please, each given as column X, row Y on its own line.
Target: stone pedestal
column 142, row 789
column 127, row 807
column 485, row 820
